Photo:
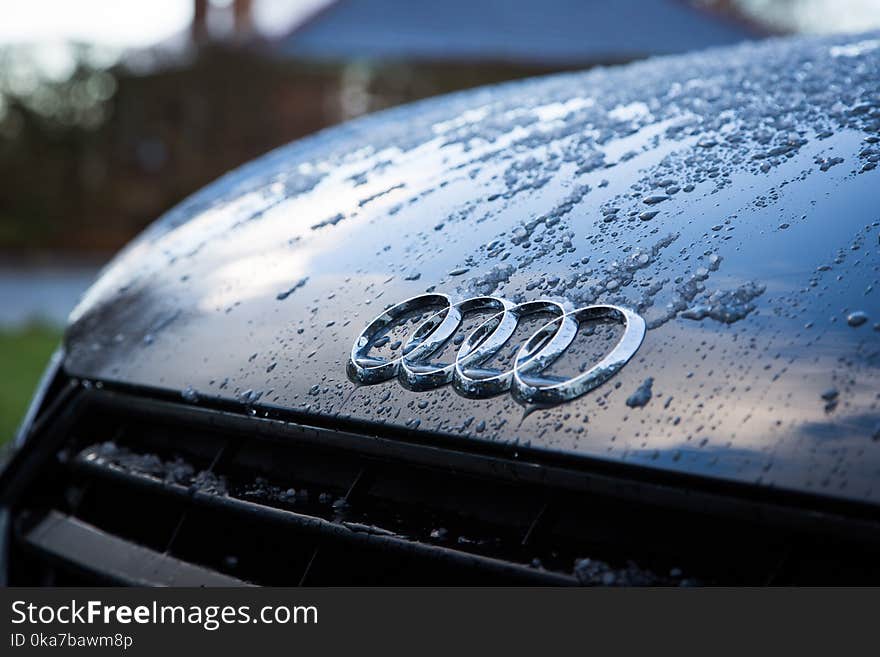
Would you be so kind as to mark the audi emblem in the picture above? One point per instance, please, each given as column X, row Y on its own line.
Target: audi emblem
column 524, row 379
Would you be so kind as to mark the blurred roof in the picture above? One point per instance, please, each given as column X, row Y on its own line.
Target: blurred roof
column 521, row 31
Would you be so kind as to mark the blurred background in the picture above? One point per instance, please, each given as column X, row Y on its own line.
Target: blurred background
column 112, row 111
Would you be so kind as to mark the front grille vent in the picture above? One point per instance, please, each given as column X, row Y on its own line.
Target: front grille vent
column 145, row 491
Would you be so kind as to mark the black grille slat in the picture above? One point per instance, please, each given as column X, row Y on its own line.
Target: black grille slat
column 354, row 534
column 80, row 546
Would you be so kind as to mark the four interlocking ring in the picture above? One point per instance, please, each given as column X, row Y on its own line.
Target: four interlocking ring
column 467, row 373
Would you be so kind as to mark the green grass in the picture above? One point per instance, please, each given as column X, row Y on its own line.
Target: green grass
column 23, row 356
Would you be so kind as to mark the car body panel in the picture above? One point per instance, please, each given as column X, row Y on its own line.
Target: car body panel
column 759, row 162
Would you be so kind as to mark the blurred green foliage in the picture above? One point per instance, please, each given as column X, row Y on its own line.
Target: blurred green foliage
column 24, row 354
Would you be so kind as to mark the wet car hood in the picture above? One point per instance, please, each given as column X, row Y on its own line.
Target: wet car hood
column 729, row 197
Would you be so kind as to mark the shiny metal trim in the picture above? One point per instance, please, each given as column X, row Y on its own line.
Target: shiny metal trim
column 415, row 371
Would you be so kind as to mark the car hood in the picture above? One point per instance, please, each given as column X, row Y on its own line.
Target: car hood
column 729, row 197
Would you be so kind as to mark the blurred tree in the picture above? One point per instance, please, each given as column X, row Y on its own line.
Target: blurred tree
column 90, row 157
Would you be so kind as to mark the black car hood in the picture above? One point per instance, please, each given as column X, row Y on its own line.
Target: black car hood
column 754, row 275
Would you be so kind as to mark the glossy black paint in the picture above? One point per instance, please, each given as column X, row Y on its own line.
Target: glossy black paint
column 730, row 197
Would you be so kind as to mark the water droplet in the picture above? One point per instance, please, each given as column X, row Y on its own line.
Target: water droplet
column 281, row 296
column 642, row 395
column 831, row 394
column 856, row 318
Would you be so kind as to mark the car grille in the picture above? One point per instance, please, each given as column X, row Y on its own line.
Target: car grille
column 123, row 488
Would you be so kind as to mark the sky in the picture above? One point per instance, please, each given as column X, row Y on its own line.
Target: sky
column 128, row 23
column 103, row 22
column 815, row 16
